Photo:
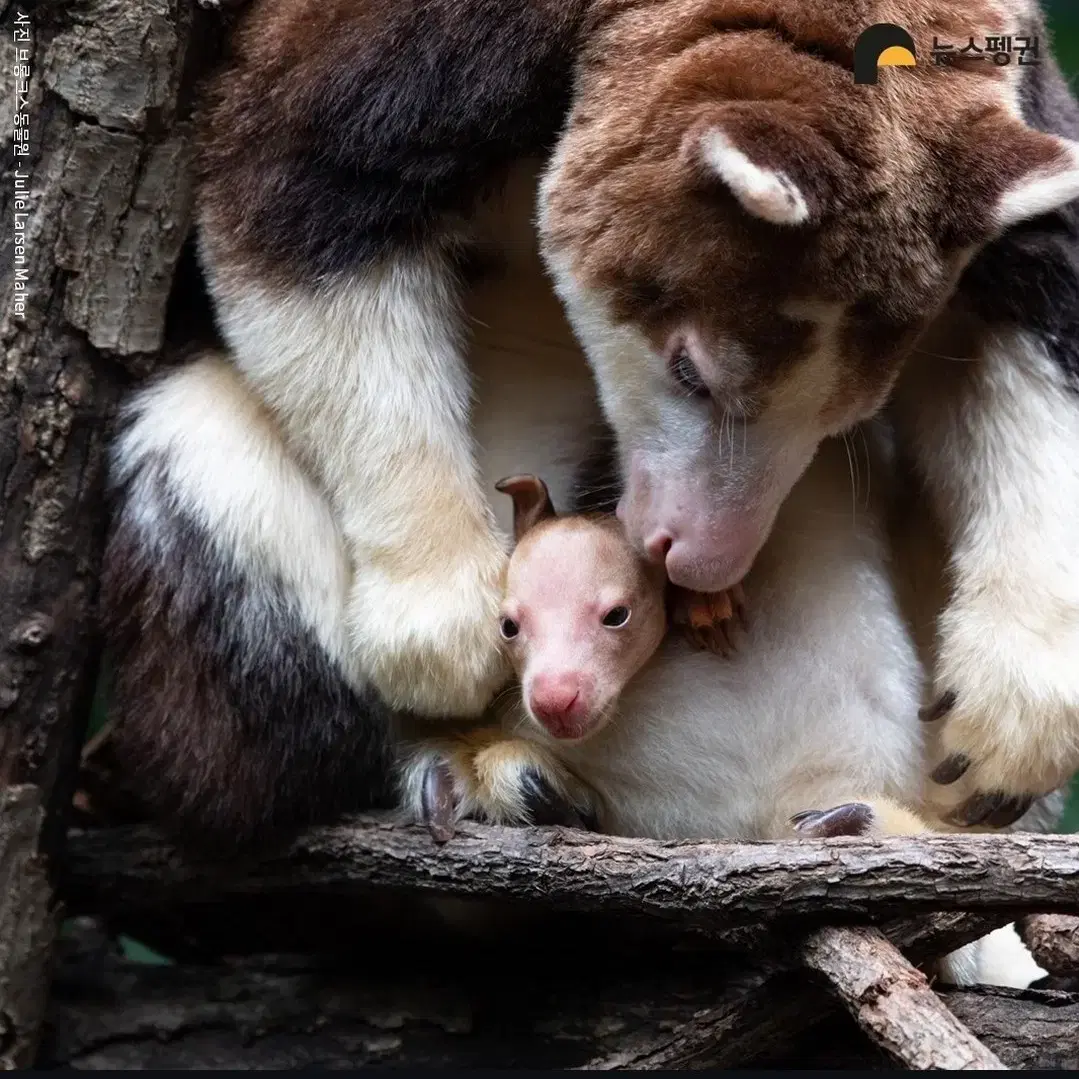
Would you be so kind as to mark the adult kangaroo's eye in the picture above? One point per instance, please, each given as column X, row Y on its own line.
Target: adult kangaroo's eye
column 685, row 373
column 616, row 617
column 509, row 629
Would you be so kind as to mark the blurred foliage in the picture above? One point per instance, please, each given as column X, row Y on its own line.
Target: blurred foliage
column 1064, row 29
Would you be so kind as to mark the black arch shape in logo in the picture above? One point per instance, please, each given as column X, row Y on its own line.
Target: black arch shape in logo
column 872, row 43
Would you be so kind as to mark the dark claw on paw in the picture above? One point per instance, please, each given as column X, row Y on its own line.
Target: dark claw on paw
column 546, row 807
column 438, row 802
column 993, row 810
column 953, row 769
column 939, row 710
column 852, row 819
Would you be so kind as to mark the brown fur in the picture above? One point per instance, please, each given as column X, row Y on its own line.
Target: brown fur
column 898, row 177
column 343, row 129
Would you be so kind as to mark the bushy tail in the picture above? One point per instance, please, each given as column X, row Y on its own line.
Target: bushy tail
column 223, row 598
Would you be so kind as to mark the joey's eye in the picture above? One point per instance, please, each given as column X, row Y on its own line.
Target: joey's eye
column 509, row 629
column 616, row 617
column 685, row 373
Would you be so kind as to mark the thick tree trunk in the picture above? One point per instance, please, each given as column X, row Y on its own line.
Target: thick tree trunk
column 96, row 205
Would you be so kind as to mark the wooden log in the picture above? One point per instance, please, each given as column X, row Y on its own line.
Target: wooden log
column 95, row 205
column 893, row 1002
column 1053, row 939
column 406, row 1009
column 705, row 886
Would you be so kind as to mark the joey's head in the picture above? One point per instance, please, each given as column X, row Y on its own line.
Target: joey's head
column 748, row 244
column 582, row 612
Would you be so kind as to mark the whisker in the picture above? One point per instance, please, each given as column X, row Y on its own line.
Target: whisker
column 854, row 485
column 942, row 356
column 868, row 466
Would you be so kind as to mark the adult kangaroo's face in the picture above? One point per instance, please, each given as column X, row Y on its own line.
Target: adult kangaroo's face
column 747, row 245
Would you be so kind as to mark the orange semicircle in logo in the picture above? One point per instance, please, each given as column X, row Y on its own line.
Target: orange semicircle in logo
column 896, row 56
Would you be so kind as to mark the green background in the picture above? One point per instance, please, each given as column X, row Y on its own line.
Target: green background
column 1064, row 26
column 1064, row 23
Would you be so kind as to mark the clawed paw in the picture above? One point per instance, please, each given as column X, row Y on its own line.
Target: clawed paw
column 850, row 819
column 1004, row 726
column 711, row 620
column 993, row 763
column 508, row 782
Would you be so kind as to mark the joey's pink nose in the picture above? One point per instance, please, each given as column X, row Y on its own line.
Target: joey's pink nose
column 557, row 702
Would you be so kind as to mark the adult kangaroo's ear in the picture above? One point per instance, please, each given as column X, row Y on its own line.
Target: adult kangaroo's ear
column 531, row 502
column 770, row 158
column 1005, row 172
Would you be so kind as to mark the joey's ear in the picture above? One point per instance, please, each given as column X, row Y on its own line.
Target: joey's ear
column 531, row 502
column 1013, row 173
column 778, row 168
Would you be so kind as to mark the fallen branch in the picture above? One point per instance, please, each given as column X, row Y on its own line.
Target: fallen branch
column 415, row 1010
column 893, row 1003
column 1053, row 939
column 776, row 1007
column 699, row 885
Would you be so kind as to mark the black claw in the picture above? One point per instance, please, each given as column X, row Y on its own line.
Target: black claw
column 439, row 802
column 951, row 770
column 993, row 810
column 944, row 704
column 545, row 806
column 852, row 819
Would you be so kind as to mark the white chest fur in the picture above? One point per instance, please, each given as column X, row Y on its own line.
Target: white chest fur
column 818, row 707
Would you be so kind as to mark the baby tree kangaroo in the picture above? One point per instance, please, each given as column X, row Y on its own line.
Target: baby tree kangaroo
column 582, row 614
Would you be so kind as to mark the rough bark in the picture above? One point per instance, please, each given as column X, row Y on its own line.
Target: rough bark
column 415, row 1010
column 774, row 1005
column 770, row 1005
column 703, row 886
column 1054, row 941
column 96, row 204
column 893, row 1002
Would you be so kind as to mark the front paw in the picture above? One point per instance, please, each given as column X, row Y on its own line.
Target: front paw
column 710, row 620
column 850, row 819
column 1008, row 707
column 876, row 817
column 430, row 645
column 505, row 781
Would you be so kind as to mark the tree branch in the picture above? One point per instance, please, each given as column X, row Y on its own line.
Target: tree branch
column 704, row 886
column 893, row 1003
column 423, row 1010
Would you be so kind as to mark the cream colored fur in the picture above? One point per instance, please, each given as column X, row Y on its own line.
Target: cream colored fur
column 766, row 193
column 997, row 439
column 372, row 391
